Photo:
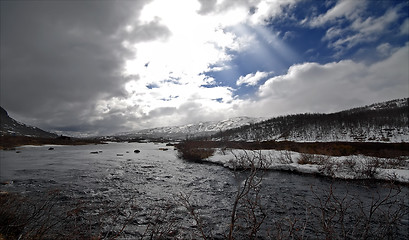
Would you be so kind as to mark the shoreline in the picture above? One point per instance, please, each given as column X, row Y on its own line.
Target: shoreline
column 12, row 142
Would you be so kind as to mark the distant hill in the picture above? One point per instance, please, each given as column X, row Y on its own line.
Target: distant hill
column 189, row 130
column 11, row 127
column 380, row 122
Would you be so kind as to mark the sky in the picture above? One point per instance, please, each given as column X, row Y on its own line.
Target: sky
column 100, row 67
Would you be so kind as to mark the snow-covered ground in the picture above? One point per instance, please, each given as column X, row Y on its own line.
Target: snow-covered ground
column 196, row 129
column 345, row 167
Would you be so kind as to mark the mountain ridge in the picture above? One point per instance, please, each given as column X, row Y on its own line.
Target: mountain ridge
column 189, row 130
column 378, row 122
column 11, row 127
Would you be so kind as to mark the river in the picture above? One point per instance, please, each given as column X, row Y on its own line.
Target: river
column 126, row 195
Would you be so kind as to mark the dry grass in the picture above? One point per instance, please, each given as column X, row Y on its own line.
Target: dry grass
column 10, row 142
column 375, row 149
column 190, row 151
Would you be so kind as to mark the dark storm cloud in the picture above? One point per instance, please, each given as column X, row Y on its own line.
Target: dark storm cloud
column 207, row 6
column 58, row 58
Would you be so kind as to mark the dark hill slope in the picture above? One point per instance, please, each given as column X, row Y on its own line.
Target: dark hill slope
column 11, row 127
column 381, row 122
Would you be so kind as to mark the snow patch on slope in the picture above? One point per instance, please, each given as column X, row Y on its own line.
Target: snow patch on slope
column 191, row 130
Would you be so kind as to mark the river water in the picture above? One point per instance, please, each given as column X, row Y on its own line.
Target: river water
column 149, row 194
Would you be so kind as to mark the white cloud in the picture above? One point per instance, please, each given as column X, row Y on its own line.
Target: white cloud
column 307, row 87
column 169, row 87
column 252, row 79
column 253, row 12
column 171, row 103
column 404, row 28
column 344, row 8
column 168, row 48
column 314, row 87
column 351, row 26
column 196, row 43
column 384, row 49
column 371, row 25
column 170, row 71
column 265, row 10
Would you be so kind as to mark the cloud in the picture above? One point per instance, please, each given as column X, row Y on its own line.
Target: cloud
column 404, row 28
column 252, row 79
column 140, row 32
column 384, row 49
column 253, row 12
column 343, row 9
column 306, row 87
column 207, row 6
column 314, row 87
column 172, row 103
column 372, row 25
column 94, row 63
column 351, row 25
column 102, row 67
column 59, row 58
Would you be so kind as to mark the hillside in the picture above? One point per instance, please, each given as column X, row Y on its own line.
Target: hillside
column 190, row 130
column 11, row 127
column 380, row 122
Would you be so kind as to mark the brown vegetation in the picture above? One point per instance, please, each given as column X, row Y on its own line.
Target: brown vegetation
column 10, row 142
column 375, row 149
column 192, row 151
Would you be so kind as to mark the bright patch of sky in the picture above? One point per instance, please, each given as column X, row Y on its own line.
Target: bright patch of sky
column 225, row 57
column 184, row 61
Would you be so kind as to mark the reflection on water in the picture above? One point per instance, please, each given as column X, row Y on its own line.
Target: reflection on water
column 139, row 185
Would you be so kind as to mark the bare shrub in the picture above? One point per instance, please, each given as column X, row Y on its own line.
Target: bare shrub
column 348, row 217
column 327, row 166
column 350, row 164
column 26, row 218
column 368, row 168
column 248, row 215
column 393, row 163
column 290, row 227
column 306, row 158
column 50, row 216
column 330, row 215
column 371, row 167
column 285, row 157
column 186, row 202
column 223, row 150
column 251, row 159
column 162, row 223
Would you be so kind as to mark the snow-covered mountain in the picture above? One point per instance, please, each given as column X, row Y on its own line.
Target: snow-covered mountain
column 11, row 127
column 190, row 130
column 380, row 122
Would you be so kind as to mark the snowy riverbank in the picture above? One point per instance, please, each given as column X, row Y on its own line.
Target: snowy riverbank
column 344, row 167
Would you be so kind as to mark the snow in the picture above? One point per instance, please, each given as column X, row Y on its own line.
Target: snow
column 39, row 146
column 201, row 128
column 344, row 167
